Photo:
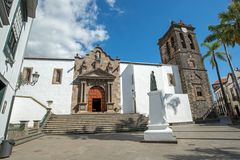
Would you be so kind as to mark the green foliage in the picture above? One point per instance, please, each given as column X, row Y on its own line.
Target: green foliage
column 230, row 21
column 212, row 47
column 228, row 31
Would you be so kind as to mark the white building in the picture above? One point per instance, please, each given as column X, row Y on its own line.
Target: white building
column 134, row 78
column 15, row 25
column 231, row 93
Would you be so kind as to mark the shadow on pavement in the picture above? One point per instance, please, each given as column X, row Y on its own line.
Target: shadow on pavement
column 208, row 154
column 135, row 137
column 224, row 121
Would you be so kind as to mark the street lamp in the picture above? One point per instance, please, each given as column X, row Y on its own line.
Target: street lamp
column 35, row 77
column 23, row 82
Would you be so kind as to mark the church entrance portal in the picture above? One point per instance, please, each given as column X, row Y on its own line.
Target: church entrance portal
column 96, row 100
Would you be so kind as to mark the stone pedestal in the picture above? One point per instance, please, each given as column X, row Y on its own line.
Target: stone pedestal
column 24, row 125
column 36, row 124
column 158, row 128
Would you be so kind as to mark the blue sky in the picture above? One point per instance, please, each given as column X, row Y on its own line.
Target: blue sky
column 134, row 34
column 128, row 29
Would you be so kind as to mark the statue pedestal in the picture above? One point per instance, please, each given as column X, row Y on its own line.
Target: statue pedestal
column 158, row 128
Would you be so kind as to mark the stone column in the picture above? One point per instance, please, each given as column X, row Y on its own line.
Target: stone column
column 83, row 96
column 83, row 92
column 36, row 124
column 109, row 97
column 24, row 125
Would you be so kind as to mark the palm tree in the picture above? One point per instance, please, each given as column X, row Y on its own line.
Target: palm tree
column 213, row 55
column 230, row 20
column 228, row 33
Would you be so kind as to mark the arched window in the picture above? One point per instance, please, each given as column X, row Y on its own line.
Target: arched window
column 191, row 41
column 168, row 50
column 183, row 41
column 173, row 43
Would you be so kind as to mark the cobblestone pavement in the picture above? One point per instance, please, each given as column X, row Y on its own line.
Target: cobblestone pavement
column 195, row 142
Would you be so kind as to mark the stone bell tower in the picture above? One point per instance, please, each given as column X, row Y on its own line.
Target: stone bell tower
column 179, row 47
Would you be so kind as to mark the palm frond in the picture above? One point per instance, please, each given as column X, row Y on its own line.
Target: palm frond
column 215, row 28
column 221, row 55
column 215, row 45
column 206, row 44
column 210, row 38
column 208, row 54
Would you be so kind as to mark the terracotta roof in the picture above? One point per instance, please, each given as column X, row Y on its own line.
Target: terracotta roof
column 224, row 80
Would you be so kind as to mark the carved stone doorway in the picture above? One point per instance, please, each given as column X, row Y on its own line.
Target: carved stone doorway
column 96, row 99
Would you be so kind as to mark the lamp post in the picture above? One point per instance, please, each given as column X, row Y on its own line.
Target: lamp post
column 34, row 79
column 22, row 82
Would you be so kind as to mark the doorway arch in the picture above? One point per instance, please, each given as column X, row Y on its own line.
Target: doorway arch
column 96, row 99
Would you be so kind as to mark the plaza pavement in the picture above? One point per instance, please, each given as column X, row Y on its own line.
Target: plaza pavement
column 195, row 142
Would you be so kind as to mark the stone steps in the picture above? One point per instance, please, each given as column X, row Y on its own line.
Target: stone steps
column 93, row 127
column 95, row 123
column 28, row 138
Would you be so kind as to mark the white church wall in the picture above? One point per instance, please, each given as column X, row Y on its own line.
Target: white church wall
column 44, row 90
column 127, row 88
column 142, row 85
column 27, row 109
column 177, row 108
column 177, row 104
column 170, row 88
column 9, row 74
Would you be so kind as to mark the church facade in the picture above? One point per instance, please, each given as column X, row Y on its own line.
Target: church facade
column 97, row 82
column 96, row 85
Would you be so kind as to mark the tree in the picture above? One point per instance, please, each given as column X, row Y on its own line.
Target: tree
column 228, row 33
column 230, row 20
column 213, row 55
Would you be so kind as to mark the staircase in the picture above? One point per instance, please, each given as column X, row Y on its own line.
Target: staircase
column 21, row 137
column 95, row 123
column 210, row 116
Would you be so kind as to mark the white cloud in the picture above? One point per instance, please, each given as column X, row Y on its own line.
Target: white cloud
column 111, row 3
column 64, row 27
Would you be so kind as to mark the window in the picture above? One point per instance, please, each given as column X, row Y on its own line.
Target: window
column 168, row 50
column 182, row 40
column 57, row 76
column 8, row 5
column 2, row 92
column 199, row 91
column 173, row 43
column 27, row 74
column 237, row 110
column 13, row 36
column 171, row 79
column 191, row 41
